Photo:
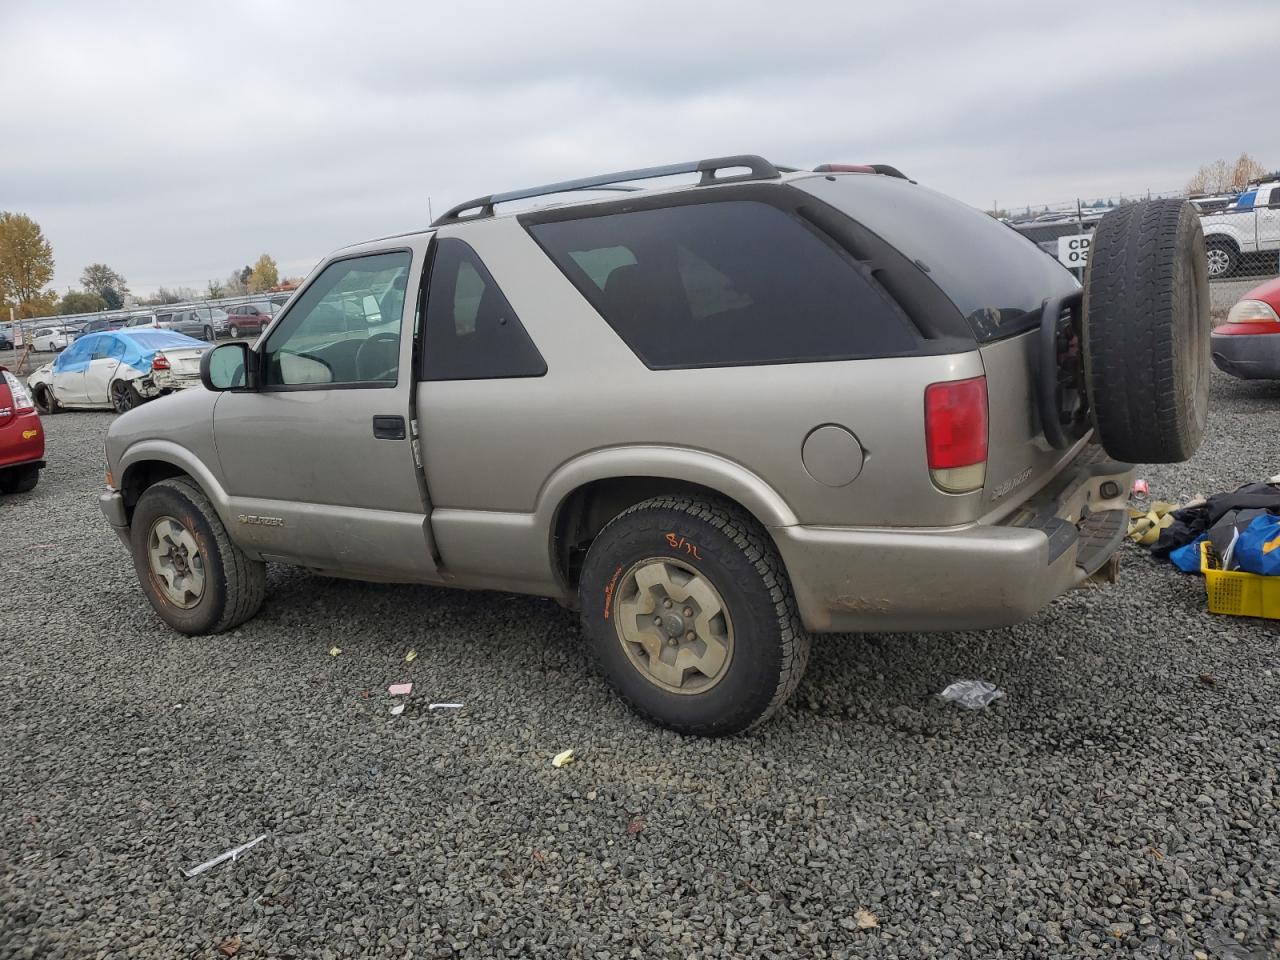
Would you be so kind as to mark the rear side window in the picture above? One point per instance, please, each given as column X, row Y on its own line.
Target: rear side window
column 996, row 277
column 722, row 284
column 472, row 333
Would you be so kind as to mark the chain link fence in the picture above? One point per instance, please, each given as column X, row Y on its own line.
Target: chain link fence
column 1241, row 228
column 211, row 319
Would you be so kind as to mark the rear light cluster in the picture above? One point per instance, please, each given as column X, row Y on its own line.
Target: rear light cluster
column 955, row 430
column 1254, row 313
column 159, row 362
column 21, row 397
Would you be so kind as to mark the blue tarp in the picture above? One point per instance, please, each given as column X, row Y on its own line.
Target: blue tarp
column 133, row 347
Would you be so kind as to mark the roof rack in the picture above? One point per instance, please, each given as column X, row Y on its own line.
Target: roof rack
column 758, row 169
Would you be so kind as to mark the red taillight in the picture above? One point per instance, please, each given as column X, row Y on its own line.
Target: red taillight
column 955, row 429
column 159, row 362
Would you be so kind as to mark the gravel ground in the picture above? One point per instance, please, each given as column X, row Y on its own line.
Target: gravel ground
column 1120, row 800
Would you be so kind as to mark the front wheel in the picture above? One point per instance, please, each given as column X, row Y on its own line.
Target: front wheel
column 208, row 334
column 44, row 400
column 1221, row 259
column 191, row 572
column 691, row 617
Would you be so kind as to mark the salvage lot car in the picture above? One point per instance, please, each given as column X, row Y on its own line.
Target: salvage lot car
column 1248, row 344
column 53, row 339
column 21, row 437
column 117, row 370
column 715, row 418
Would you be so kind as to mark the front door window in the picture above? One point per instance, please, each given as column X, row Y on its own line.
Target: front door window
column 345, row 328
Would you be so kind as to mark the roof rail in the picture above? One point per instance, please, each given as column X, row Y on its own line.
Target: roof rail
column 758, row 167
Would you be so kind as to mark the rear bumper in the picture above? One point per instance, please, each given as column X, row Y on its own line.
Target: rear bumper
column 1247, row 356
column 976, row 576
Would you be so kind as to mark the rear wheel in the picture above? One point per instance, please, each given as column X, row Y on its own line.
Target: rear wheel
column 690, row 615
column 191, row 572
column 19, row 479
column 124, row 396
column 1146, row 332
column 208, row 334
column 234, row 331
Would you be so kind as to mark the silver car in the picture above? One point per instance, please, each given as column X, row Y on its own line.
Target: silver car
column 715, row 418
column 193, row 322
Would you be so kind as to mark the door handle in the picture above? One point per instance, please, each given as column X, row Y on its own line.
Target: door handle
column 388, row 427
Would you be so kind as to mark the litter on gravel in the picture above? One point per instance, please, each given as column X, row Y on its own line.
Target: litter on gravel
column 444, row 706
column 400, row 689
column 972, row 694
column 397, row 710
column 411, row 656
column 562, row 758
column 334, row 651
column 231, row 854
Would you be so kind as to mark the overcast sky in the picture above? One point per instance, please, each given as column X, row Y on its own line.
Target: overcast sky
column 178, row 141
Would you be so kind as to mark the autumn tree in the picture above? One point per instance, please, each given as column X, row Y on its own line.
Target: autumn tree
column 1221, row 176
column 1246, row 169
column 264, row 276
column 26, row 265
column 76, row 301
column 100, row 279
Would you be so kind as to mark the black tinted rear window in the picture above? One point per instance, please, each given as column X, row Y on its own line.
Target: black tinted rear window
column 724, row 283
column 997, row 278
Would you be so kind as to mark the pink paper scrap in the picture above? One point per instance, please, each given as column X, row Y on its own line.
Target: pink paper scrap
column 400, row 689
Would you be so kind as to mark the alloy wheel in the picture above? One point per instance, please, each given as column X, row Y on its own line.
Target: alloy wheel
column 174, row 558
column 674, row 626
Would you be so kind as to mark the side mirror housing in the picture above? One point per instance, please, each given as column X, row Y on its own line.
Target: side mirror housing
column 231, row 366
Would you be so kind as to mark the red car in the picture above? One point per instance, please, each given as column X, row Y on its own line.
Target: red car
column 249, row 318
column 1248, row 344
column 21, row 437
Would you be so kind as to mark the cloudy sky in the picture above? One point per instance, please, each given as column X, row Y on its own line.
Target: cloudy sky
column 178, row 141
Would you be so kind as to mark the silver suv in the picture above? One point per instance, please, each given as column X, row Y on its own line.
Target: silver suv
column 715, row 418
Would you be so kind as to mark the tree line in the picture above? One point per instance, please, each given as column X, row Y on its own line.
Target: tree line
column 26, row 268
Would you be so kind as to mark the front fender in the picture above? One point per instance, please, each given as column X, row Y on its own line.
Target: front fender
column 168, row 452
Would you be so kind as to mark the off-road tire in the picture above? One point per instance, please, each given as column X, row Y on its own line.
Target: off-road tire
column 1146, row 332
column 19, row 479
column 770, row 644
column 235, row 584
column 46, row 403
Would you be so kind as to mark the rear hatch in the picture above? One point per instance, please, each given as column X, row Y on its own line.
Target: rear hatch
column 998, row 280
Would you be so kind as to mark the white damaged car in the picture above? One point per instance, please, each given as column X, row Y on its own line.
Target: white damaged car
column 118, row 370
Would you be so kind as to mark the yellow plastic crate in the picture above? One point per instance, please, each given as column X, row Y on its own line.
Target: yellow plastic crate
column 1239, row 594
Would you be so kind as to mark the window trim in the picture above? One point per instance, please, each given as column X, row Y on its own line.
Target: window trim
column 274, row 322
column 797, row 206
column 421, row 346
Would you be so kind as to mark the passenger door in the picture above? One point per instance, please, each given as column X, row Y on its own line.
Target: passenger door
column 319, row 461
column 104, row 361
column 1268, row 214
column 69, row 369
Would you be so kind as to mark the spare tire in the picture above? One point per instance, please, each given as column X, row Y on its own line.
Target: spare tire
column 1146, row 332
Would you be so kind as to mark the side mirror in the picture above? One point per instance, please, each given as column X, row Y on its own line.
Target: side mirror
column 232, row 366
